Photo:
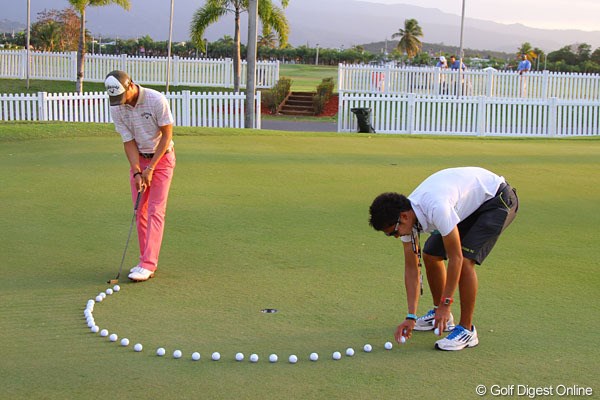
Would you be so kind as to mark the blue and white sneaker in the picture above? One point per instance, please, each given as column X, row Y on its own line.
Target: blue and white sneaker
column 425, row 322
column 458, row 339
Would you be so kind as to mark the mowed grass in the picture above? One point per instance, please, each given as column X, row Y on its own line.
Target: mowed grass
column 306, row 78
column 263, row 219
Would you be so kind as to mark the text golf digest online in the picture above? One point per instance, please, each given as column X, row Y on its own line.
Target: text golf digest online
column 534, row 391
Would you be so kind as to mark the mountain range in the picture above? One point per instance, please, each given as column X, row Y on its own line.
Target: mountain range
column 329, row 23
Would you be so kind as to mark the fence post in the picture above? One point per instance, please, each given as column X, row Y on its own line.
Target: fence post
column 175, row 71
column 124, row 63
column 490, row 83
column 410, row 113
column 552, row 116
column 73, row 60
column 436, row 81
column 23, row 64
column 545, row 83
column 481, row 113
column 257, row 120
column 186, row 108
column 228, row 72
column 340, row 76
column 42, row 106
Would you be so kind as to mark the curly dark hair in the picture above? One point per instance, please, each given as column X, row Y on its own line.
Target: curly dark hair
column 386, row 209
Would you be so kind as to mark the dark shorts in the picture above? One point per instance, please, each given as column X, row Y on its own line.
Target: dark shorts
column 480, row 230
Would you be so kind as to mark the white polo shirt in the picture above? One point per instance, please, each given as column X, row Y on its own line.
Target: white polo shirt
column 449, row 196
column 142, row 122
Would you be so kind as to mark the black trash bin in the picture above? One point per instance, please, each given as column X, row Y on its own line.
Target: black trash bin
column 363, row 117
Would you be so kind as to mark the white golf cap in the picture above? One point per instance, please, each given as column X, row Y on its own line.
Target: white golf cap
column 116, row 84
column 442, row 59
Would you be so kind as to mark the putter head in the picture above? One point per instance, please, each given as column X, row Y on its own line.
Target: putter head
column 113, row 281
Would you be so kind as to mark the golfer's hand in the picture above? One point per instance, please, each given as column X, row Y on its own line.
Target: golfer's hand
column 139, row 183
column 405, row 329
column 442, row 315
column 147, row 176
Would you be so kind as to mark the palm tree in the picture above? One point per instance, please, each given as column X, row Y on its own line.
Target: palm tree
column 271, row 16
column 409, row 37
column 80, row 6
column 267, row 39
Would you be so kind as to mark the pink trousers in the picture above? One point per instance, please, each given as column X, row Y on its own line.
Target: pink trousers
column 151, row 211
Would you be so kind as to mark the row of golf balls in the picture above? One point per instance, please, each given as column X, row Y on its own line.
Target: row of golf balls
column 273, row 358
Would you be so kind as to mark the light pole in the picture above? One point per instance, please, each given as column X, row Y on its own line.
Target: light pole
column 317, row 57
column 460, row 52
column 169, row 47
column 28, row 37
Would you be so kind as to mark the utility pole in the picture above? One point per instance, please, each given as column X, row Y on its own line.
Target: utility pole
column 169, row 47
column 460, row 55
column 251, row 64
column 28, row 38
column 317, row 57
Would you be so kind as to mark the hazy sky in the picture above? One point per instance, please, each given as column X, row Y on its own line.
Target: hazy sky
column 549, row 14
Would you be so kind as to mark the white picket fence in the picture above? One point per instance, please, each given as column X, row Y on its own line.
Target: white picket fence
column 430, row 81
column 143, row 70
column 481, row 115
column 215, row 110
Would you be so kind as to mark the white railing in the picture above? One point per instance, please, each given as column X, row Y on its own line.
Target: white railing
column 216, row 110
column 144, row 70
column 491, row 83
column 481, row 116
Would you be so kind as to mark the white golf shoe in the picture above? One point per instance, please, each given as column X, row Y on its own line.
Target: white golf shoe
column 458, row 339
column 140, row 274
column 425, row 322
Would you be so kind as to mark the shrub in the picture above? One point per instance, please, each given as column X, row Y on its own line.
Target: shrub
column 275, row 96
column 324, row 92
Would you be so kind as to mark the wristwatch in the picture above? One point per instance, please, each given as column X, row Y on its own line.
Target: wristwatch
column 446, row 301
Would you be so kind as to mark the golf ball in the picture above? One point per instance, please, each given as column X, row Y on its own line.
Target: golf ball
column 177, row 354
column 402, row 339
column 388, row 345
column 293, row 359
column 216, row 356
column 368, row 348
column 116, row 288
column 90, row 323
column 160, row 352
column 99, row 298
column 273, row 358
column 109, row 291
column 314, row 356
column 436, row 332
column 336, row 355
column 113, row 337
column 95, row 329
column 104, row 333
column 195, row 356
column 253, row 358
column 239, row 357
column 138, row 347
column 349, row 351
column 124, row 342
column 102, row 294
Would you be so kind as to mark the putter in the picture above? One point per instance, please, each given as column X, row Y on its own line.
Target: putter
column 137, row 203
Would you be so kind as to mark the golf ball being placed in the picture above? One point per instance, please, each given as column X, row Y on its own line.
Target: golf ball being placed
column 177, row 354
column 436, row 331
column 253, row 358
column 349, row 351
column 402, row 339
column 336, row 355
column 388, row 345
column 239, row 357
column 273, row 358
column 104, row 333
column 368, row 348
column 216, row 356
column 138, row 347
column 293, row 359
column 124, row 342
column 314, row 356
column 160, row 352
column 116, row 288
column 113, row 337
column 195, row 356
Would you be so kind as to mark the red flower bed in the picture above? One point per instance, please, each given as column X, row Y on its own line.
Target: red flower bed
column 331, row 108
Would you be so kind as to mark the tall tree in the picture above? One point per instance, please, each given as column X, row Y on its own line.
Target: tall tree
column 409, row 37
column 271, row 16
column 80, row 6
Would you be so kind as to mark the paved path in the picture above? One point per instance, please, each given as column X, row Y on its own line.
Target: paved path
column 303, row 126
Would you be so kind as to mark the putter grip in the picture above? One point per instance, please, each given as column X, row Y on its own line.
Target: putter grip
column 137, row 201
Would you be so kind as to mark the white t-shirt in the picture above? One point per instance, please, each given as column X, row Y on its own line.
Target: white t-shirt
column 449, row 196
column 143, row 121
